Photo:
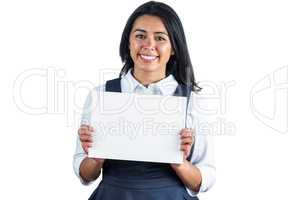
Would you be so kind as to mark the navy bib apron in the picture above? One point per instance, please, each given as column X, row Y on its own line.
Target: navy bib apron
column 133, row 180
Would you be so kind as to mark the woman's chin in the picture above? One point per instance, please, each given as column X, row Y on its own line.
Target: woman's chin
column 149, row 68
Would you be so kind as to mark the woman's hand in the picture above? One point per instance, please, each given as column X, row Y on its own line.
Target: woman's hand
column 189, row 174
column 187, row 140
column 85, row 136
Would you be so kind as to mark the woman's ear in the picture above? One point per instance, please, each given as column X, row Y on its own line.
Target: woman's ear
column 172, row 53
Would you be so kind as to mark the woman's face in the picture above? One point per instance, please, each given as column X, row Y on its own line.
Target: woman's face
column 150, row 46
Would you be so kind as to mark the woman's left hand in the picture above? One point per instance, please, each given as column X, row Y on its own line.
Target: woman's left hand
column 187, row 140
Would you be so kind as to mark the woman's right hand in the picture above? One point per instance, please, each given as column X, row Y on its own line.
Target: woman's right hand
column 85, row 136
column 90, row 168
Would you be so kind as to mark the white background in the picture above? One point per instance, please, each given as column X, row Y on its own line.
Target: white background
column 236, row 42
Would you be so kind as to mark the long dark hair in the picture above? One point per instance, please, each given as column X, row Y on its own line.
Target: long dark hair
column 179, row 64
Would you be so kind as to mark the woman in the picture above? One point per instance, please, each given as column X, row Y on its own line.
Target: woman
column 156, row 61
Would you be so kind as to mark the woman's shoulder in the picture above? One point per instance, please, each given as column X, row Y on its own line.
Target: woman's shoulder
column 94, row 91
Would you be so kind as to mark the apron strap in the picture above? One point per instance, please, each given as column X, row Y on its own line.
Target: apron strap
column 113, row 85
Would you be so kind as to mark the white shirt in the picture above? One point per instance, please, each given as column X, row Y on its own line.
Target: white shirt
column 202, row 156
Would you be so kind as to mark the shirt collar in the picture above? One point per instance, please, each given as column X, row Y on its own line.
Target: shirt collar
column 166, row 86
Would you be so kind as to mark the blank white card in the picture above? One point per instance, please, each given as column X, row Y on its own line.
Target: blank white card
column 137, row 127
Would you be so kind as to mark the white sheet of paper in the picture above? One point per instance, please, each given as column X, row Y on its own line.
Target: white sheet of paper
column 137, row 127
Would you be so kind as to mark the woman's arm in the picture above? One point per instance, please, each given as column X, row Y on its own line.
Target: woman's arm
column 189, row 174
column 90, row 169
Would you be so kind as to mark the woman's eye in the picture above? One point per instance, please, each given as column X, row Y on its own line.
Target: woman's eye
column 140, row 36
column 159, row 38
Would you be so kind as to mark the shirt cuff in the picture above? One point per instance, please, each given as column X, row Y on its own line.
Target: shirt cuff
column 208, row 174
column 208, row 180
column 191, row 192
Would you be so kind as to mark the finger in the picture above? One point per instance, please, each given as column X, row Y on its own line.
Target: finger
column 91, row 128
column 85, row 138
column 186, row 133
column 84, row 131
column 81, row 132
column 185, row 153
column 86, row 146
column 186, row 137
column 84, row 126
column 86, row 150
column 186, row 149
column 188, row 141
column 85, row 135
column 186, row 130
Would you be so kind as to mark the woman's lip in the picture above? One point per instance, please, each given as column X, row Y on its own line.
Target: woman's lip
column 148, row 57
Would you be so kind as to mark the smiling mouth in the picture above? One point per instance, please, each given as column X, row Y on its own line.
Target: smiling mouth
column 148, row 58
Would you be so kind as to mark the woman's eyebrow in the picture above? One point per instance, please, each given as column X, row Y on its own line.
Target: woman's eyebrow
column 140, row 30
column 161, row 32
column 144, row 31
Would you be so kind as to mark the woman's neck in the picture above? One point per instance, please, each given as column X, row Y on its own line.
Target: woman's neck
column 148, row 77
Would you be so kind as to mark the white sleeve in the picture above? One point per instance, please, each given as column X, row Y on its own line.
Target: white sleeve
column 79, row 154
column 203, row 154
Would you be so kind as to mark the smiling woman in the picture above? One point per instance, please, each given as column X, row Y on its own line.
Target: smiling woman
column 156, row 61
column 150, row 49
column 158, row 29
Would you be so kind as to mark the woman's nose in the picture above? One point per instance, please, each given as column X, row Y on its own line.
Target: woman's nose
column 149, row 44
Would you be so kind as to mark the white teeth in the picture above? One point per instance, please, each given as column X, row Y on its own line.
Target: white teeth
column 148, row 58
